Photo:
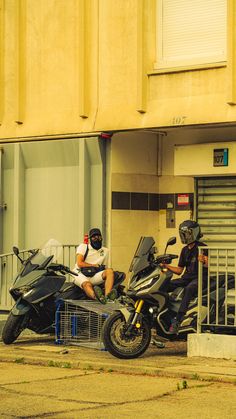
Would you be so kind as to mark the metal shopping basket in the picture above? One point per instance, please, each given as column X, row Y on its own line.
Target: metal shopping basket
column 80, row 322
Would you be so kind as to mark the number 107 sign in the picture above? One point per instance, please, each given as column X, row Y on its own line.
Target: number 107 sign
column 220, row 157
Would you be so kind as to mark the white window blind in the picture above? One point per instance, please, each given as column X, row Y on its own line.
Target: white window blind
column 191, row 32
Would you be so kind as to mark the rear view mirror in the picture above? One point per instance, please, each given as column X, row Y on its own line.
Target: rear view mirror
column 16, row 253
column 15, row 250
column 170, row 242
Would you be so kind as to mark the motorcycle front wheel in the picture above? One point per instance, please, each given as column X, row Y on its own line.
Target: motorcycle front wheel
column 13, row 328
column 119, row 344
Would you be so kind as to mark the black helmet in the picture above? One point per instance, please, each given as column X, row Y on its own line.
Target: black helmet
column 94, row 232
column 96, row 242
column 189, row 231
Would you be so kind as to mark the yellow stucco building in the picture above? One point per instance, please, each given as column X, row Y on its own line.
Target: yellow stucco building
column 118, row 114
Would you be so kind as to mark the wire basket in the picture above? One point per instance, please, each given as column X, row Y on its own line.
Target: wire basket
column 80, row 322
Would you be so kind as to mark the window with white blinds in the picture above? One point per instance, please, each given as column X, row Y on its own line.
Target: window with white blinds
column 191, row 32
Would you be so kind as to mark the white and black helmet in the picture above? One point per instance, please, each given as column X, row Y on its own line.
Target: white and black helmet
column 189, row 231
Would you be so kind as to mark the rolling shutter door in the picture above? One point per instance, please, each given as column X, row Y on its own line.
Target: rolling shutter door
column 216, row 210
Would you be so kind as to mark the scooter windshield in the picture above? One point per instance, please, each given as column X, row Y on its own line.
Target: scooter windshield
column 141, row 257
column 53, row 248
column 41, row 261
column 51, row 251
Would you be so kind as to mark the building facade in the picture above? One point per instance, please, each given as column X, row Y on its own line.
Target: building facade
column 119, row 114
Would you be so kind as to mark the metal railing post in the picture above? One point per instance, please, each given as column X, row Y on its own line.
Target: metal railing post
column 200, row 271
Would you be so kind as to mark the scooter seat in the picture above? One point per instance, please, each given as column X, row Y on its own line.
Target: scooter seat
column 67, row 285
column 70, row 291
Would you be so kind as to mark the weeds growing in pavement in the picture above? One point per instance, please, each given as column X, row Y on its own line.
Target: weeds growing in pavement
column 66, row 365
column 182, row 386
column 53, row 364
column 20, row 360
column 196, row 377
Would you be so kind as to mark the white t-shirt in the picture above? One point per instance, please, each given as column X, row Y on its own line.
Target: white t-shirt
column 95, row 257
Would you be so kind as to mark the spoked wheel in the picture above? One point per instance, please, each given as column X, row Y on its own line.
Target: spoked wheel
column 13, row 327
column 121, row 345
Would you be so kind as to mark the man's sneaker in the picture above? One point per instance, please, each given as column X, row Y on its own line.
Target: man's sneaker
column 99, row 294
column 112, row 295
column 174, row 327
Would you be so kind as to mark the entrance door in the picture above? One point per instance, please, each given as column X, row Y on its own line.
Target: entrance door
column 52, row 189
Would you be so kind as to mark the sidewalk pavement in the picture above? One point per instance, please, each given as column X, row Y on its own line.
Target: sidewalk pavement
column 171, row 361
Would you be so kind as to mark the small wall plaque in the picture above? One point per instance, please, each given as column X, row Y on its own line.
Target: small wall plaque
column 220, row 157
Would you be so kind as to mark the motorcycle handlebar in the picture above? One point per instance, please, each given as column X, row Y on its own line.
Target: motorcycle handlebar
column 69, row 271
column 167, row 258
column 61, row 268
column 33, row 251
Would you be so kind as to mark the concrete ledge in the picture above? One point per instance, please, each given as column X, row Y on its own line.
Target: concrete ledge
column 211, row 346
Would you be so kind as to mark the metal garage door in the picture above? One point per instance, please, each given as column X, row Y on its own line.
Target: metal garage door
column 216, row 210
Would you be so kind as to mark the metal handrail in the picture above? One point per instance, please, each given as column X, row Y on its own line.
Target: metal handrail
column 217, row 310
column 9, row 265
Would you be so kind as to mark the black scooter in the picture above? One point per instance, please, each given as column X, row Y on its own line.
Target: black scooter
column 37, row 289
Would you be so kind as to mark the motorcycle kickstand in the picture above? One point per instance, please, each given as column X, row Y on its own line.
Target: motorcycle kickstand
column 158, row 343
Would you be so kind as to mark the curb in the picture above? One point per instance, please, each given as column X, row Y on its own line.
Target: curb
column 55, row 360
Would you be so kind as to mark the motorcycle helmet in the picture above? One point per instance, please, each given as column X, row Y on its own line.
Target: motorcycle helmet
column 94, row 232
column 189, row 231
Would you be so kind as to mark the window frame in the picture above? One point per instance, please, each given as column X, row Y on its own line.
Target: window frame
column 205, row 61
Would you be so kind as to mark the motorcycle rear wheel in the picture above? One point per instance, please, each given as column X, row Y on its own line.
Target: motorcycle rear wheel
column 120, row 345
column 13, row 328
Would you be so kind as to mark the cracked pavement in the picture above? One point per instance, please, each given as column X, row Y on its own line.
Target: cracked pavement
column 42, row 380
column 32, row 391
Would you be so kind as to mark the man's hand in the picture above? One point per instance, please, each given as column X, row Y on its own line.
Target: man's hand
column 175, row 269
column 203, row 259
column 163, row 265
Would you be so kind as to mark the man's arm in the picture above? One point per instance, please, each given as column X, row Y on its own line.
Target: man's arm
column 81, row 263
column 175, row 269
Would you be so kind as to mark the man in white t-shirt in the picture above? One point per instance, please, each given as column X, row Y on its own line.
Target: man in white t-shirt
column 94, row 254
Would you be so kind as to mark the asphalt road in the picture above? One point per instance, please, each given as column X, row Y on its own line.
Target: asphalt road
column 34, row 391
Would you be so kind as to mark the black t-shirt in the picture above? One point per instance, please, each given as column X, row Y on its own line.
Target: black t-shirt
column 189, row 260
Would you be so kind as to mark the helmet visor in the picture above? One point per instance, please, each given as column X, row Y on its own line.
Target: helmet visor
column 186, row 235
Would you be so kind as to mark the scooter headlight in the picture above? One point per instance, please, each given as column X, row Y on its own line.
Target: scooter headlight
column 27, row 293
column 21, row 291
column 146, row 284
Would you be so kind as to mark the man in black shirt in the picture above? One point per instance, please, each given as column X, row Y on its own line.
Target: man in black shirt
column 188, row 263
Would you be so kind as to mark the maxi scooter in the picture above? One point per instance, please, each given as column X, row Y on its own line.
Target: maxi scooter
column 37, row 288
column 149, row 306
